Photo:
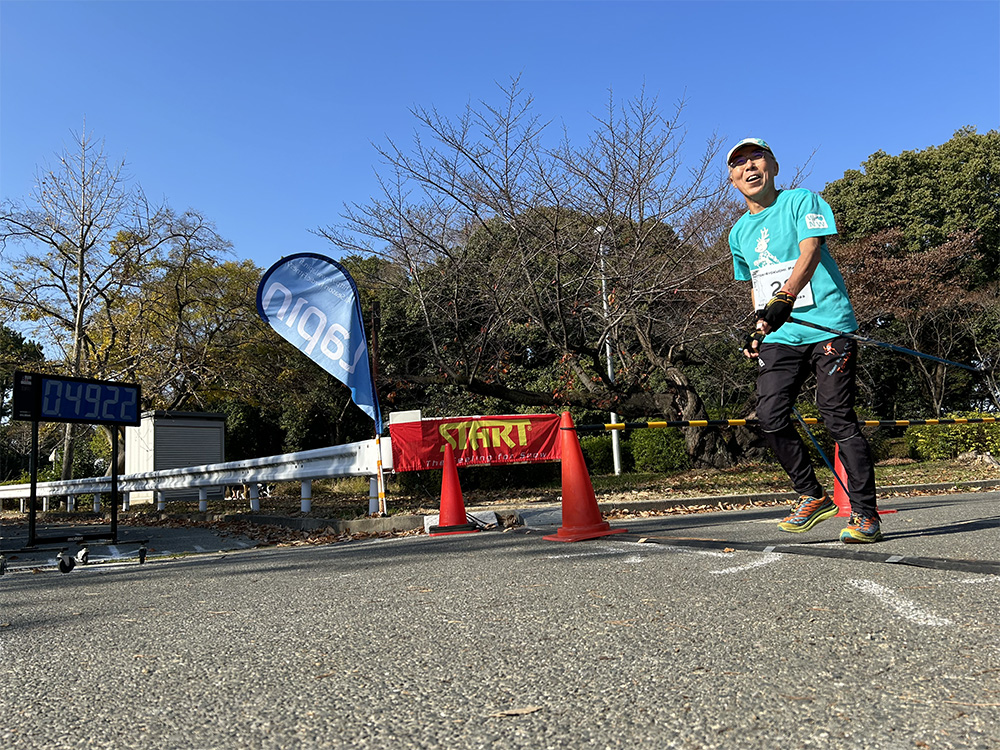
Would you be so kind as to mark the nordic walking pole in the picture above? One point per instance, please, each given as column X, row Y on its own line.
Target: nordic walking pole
column 822, row 453
column 884, row 345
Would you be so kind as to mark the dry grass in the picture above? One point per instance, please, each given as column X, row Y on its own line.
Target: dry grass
column 348, row 498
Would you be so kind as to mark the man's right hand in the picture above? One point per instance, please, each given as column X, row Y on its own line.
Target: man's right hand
column 751, row 345
column 777, row 310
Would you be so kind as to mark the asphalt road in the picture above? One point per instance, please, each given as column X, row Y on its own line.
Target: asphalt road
column 714, row 631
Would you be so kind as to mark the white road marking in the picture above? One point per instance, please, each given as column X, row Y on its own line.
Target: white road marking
column 981, row 580
column 690, row 551
column 593, row 553
column 770, row 557
column 646, row 548
column 902, row 606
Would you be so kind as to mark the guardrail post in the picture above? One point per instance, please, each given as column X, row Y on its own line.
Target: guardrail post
column 307, row 493
column 254, row 496
column 372, row 496
column 70, row 503
column 203, row 499
column 45, row 503
column 24, row 504
column 126, row 503
column 97, row 502
column 161, row 500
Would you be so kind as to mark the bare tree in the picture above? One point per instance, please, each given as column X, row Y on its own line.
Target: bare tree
column 494, row 230
column 91, row 239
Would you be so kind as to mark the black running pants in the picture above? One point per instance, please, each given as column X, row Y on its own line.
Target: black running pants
column 784, row 370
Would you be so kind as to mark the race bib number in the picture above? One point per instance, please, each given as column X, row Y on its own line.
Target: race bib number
column 769, row 279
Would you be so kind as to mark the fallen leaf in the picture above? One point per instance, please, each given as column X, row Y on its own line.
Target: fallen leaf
column 516, row 711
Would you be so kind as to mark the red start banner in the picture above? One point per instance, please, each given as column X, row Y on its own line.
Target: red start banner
column 475, row 441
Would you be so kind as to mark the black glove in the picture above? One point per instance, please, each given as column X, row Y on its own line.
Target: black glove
column 778, row 310
column 748, row 342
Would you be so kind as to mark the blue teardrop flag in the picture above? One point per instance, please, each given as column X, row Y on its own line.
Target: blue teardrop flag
column 313, row 303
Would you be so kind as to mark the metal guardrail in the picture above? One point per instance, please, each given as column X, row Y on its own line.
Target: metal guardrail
column 350, row 460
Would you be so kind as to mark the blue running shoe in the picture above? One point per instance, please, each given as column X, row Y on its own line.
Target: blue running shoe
column 861, row 530
column 809, row 512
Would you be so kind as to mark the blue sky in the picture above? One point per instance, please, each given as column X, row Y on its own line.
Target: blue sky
column 262, row 115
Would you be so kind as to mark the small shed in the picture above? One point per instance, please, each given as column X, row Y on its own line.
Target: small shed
column 175, row 440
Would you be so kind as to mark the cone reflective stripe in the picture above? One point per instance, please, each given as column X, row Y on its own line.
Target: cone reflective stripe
column 452, row 519
column 581, row 518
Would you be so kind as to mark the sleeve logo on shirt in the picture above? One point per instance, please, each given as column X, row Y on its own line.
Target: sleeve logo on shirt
column 816, row 221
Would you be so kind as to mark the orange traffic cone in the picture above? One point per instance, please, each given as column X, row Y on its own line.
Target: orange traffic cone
column 452, row 519
column 840, row 497
column 581, row 518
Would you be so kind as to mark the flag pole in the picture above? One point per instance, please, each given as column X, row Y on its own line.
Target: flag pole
column 380, row 476
column 332, row 321
column 380, row 480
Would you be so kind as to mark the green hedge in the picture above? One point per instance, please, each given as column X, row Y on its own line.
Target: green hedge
column 659, row 449
column 930, row 442
column 598, row 453
column 646, row 450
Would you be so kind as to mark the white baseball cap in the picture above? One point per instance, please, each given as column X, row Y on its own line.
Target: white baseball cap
column 748, row 142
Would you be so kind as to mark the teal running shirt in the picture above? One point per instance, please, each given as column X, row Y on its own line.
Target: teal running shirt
column 765, row 247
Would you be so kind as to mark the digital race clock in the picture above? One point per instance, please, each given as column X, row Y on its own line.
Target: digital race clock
column 55, row 398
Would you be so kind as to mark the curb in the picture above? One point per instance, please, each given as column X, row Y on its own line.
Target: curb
column 357, row 526
column 786, row 496
column 411, row 522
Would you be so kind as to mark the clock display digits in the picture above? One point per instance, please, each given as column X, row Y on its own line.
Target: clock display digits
column 114, row 396
column 92, row 395
column 52, row 398
column 58, row 398
column 128, row 406
column 74, row 397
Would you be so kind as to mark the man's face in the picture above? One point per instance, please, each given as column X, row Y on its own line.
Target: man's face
column 754, row 178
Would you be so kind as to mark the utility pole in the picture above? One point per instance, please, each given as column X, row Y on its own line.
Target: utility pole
column 602, row 250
